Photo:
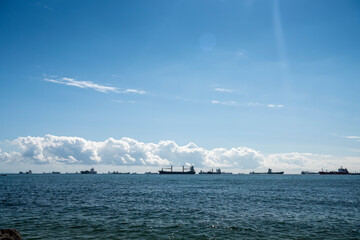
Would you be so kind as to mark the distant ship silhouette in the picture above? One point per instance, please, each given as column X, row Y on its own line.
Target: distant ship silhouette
column 268, row 172
column 190, row 171
column 92, row 171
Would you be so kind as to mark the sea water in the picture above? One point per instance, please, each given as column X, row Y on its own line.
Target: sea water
column 103, row 206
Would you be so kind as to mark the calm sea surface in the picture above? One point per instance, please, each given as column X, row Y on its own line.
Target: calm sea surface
column 181, row 207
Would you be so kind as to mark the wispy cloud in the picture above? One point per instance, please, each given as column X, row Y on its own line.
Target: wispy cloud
column 224, row 103
column 83, row 84
column 250, row 104
column 88, row 84
column 45, row 6
column 275, row 106
column 223, row 90
column 352, row 137
column 133, row 91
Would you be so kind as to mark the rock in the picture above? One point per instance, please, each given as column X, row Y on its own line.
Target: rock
column 10, row 234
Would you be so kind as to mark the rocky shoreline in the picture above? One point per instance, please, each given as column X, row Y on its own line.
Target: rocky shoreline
column 10, row 234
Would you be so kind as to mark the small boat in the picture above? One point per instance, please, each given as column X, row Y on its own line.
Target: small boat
column 118, row 172
column 56, row 173
column 150, row 173
column 190, row 171
column 268, row 172
column 308, row 172
column 92, row 171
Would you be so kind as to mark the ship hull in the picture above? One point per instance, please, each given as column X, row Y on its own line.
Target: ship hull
column 166, row 172
column 211, row 173
column 333, row 173
column 268, row 173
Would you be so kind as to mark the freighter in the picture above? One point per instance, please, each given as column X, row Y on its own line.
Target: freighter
column 190, row 171
column 268, row 172
column 340, row 171
column 92, row 171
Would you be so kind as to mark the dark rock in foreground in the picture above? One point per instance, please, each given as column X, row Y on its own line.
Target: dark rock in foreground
column 9, row 234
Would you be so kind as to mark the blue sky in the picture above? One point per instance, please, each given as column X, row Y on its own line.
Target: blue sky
column 274, row 76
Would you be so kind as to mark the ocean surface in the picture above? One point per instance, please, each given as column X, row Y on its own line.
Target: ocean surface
column 181, row 207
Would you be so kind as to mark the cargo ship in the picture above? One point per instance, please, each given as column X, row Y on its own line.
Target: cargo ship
column 190, row 170
column 92, row 171
column 268, row 172
column 340, row 171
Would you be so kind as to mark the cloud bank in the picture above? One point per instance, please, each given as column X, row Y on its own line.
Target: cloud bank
column 52, row 149
column 125, row 151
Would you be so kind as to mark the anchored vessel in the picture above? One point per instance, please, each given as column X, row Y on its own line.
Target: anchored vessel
column 340, row 171
column 268, row 172
column 92, row 171
column 308, row 172
column 190, row 171
column 118, row 172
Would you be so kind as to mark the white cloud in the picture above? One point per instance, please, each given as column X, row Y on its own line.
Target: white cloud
column 125, row 151
column 223, row 90
column 82, row 84
column 133, row 91
column 275, row 106
column 224, row 103
column 54, row 150
column 251, row 104
column 88, row 84
column 295, row 160
column 352, row 137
